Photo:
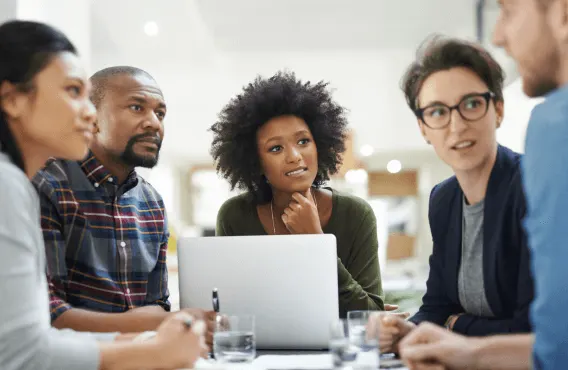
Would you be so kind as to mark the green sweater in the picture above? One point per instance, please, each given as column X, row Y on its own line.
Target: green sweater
column 354, row 225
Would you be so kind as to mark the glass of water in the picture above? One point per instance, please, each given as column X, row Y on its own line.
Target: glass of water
column 365, row 340
column 343, row 353
column 233, row 340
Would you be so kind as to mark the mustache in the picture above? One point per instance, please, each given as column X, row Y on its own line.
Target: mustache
column 156, row 139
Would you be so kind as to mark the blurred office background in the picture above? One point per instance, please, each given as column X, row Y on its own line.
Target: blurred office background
column 202, row 52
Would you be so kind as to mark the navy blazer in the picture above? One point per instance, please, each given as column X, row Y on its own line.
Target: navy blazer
column 506, row 262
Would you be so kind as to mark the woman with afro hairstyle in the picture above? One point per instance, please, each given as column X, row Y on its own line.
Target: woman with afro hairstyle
column 279, row 141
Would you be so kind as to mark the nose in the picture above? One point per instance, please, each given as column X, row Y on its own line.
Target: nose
column 498, row 38
column 153, row 123
column 293, row 155
column 457, row 123
column 89, row 112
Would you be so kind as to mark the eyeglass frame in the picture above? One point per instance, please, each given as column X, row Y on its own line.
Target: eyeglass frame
column 488, row 96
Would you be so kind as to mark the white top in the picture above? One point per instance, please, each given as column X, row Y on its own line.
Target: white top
column 27, row 340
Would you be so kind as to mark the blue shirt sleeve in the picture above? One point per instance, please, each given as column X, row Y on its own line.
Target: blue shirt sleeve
column 545, row 176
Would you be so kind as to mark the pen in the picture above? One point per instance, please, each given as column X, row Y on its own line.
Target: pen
column 215, row 300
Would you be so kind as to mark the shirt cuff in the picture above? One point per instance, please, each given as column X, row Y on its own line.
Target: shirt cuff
column 71, row 352
column 58, row 308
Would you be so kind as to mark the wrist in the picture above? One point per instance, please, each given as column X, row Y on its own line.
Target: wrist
column 476, row 351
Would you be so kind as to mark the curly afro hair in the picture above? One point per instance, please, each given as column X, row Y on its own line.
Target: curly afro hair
column 234, row 146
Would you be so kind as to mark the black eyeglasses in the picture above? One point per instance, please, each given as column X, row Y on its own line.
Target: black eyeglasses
column 471, row 108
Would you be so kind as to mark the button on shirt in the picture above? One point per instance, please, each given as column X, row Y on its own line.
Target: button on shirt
column 105, row 243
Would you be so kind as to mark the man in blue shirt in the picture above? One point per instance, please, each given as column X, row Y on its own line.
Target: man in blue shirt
column 535, row 34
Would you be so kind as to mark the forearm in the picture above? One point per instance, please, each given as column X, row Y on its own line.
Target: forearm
column 504, row 352
column 352, row 296
column 126, row 356
column 135, row 320
column 480, row 326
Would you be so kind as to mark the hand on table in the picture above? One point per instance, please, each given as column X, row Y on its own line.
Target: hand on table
column 391, row 327
column 433, row 347
column 178, row 345
column 209, row 318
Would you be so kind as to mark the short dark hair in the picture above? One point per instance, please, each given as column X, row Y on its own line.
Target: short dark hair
column 100, row 80
column 439, row 53
column 26, row 48
column 234, row 146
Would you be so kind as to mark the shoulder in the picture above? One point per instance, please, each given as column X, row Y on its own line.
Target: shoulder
column 52, row 176
column 351, row 205
column 149, row 190
column 16, row 193
column 444, row 191
column 235, row 206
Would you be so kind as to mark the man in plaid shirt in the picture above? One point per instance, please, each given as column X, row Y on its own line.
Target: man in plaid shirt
column 105, row 227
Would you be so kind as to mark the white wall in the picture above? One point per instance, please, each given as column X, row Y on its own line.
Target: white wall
column 367, row 83
column 518, row 109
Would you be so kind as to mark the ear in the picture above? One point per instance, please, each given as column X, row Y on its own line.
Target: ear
column 500, row 111
column 558, row 19
column 423, row 131
column 12, row 101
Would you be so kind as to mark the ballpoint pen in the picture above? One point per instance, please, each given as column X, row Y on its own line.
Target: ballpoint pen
column 215, row 300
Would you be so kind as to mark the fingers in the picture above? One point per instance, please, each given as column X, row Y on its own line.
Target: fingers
column 424, row 366
column 427, row 352
column 391, row 307
column 425, row 333
column 401, row 315
column 211, row 316
column 304, row 198
column 392, row 320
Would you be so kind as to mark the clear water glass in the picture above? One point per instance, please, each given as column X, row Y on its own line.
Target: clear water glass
column 343, row 353
column 366, row 341
column 234, row 340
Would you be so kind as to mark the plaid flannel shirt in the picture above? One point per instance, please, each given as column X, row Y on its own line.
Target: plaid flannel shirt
column 105, row 243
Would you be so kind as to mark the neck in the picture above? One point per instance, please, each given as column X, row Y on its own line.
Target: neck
column 474, row 182
column 281, row 200
column 34, row 155
column 34, row 158
column 110, row 162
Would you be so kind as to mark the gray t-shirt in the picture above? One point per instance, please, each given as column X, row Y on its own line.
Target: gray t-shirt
column 471, row 286
column 27, row 340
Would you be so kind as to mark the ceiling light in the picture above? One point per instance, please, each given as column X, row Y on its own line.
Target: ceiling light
column 151, row 28
column 366, row 150
column 394, row 166
column 358, row 176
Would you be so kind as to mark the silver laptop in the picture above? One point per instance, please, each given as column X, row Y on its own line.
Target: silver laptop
column 289, row 282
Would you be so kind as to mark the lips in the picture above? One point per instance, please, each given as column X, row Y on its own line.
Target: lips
column 296, row 172
column 153, row 142
column 465, row 144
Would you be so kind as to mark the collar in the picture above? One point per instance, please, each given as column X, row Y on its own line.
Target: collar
column 99, row 175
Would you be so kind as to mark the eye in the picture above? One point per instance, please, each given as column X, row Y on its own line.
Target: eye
column 275, row 149
column 473, row 103
column 161, row 115
column 74, row 90
column 436, row 111
column 136, row 107
column 304, row 141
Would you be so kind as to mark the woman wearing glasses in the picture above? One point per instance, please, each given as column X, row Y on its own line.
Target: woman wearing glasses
column 479, row 281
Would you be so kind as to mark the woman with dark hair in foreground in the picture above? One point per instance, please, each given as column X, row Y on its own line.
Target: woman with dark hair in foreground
column 45, row 112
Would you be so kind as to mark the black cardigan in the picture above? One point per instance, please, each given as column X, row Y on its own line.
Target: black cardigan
column 506, row 262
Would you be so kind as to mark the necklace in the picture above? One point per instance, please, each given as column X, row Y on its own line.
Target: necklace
column 272, row 212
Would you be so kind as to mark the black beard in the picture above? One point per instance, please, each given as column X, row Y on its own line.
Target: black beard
column 130, row 158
